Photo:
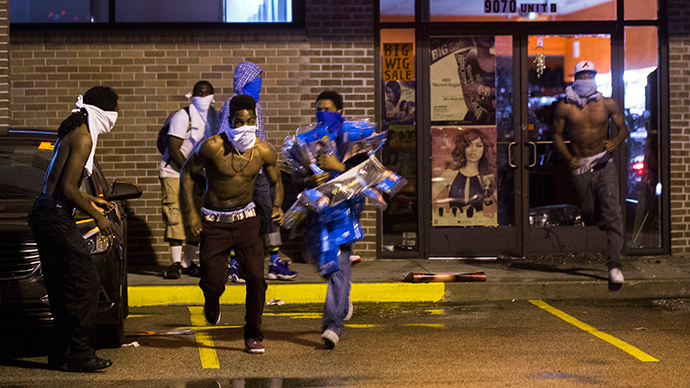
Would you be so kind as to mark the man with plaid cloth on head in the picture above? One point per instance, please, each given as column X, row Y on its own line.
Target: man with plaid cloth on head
column 247, row 81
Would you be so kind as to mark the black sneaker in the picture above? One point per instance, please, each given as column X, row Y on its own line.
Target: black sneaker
column 193, row 270
column 174, row 271
column 212, row 310
column 89, row 365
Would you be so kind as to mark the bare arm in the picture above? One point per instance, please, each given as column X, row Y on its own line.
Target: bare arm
column 274, row 178
column 174, row 145
column 79, row 150
column 619, row 121
column 559, row 127
column 192, row 167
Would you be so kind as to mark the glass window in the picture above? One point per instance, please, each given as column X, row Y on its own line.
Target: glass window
column 152, row 11
column 401, row 217
column 515, row 10
column 640, row 9
column 58, row 11
column 472, row 129
column 643, row 194
column 396, row 10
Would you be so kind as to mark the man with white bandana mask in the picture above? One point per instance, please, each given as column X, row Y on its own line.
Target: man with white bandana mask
column 186, row 131
column 247, row 80
column 587, row 116
column 232, row 161
column 70, row 275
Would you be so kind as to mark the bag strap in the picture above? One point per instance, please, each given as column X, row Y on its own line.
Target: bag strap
column 189, row 125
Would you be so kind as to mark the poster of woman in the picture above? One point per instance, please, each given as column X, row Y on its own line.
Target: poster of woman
column 400, row 102
column 463, row 176
column 463, row 80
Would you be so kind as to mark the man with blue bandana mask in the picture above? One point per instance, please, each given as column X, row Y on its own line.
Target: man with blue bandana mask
column 338, row 307
column 188, row 127
column 247, row 81
column 587, row 116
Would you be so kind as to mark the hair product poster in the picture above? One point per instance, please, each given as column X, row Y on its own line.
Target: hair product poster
column 463, row 80
column 463, row 176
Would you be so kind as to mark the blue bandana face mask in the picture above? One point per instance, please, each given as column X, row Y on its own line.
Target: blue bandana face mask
column 333, row 120
column 253, row 88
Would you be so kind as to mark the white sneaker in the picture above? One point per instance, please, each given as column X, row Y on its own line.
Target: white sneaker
column 330, row 339
column 615, row 279
column 350, row 309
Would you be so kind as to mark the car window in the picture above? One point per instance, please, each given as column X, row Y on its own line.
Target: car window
column 22, row 168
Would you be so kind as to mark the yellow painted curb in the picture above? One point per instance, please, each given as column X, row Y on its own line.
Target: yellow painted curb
column 289, row 293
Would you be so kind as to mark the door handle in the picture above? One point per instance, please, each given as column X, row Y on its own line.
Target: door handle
column 510, row 154
column 534, row 153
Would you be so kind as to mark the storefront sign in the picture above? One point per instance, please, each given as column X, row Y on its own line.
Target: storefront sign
column 398, row 61
column 463, row 80
column 463, row 176
column 512, row 6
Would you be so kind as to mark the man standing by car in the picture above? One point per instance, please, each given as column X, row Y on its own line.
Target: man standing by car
column 586, row 115
column 188, row 127
column 70, row 275
column 232, row 161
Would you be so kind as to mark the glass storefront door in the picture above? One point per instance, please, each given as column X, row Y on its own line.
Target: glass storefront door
column 554, row 223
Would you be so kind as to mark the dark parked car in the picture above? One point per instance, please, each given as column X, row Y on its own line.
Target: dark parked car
column 24, row 157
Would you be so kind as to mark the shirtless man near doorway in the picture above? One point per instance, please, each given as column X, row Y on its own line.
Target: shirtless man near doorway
column 232, row 160
column 586, row 115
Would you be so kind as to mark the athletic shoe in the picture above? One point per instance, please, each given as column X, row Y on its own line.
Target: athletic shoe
column 89, row 365
column 234, row 274
column 174, row 271
column 212, row 310
column 615, row 279
column 280, row 271
column 254, row 346
column 193, row 270
column 355, row 259
column 330, row 339
column 350, row 309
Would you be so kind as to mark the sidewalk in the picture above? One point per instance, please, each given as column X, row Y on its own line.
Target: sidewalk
column 544, row 277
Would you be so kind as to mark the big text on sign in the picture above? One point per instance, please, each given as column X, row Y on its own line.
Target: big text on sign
column 398, row 62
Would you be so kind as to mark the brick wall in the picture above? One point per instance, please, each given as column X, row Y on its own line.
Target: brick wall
column 153, row 69
column 4, row 65
column 679, row 60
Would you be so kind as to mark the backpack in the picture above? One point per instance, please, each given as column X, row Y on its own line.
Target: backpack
column 162, row 141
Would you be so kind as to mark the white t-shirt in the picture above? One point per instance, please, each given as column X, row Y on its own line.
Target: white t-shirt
column 200, row 129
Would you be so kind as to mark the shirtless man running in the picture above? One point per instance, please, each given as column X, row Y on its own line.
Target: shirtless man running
column 586, row 116
column 232, row 160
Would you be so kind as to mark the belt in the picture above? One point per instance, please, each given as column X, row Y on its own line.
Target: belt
column 230, row 217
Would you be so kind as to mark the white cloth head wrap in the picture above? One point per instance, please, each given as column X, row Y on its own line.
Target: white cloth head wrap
column 99, row 122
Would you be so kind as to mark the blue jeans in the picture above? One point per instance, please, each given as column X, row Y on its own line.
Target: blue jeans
column 338, row 294
column 602, row 186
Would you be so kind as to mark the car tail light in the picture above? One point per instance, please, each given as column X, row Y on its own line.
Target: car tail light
column 638, row 167
column 96, row 241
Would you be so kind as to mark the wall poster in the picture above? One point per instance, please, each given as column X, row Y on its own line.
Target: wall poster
column 463, row 176
column 463, row 80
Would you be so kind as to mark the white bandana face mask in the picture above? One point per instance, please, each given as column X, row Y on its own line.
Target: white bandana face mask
column 585, row 87
column 202, row 103
column 243, row 138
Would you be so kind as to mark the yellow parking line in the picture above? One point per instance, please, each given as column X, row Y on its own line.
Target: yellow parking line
column 209, row 358
column 635, row 352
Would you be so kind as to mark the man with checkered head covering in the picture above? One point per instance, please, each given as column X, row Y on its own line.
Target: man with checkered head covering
column 587, row 116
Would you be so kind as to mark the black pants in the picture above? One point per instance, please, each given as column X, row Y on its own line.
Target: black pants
column 70, row 278
column 217, row 239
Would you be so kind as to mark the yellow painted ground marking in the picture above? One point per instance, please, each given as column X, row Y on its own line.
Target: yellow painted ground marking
column 360, row 326
column 635, row 352
column 296, row 315
column 435, row 311
column 138, row 316
column 209, row 358
column 425, row 324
